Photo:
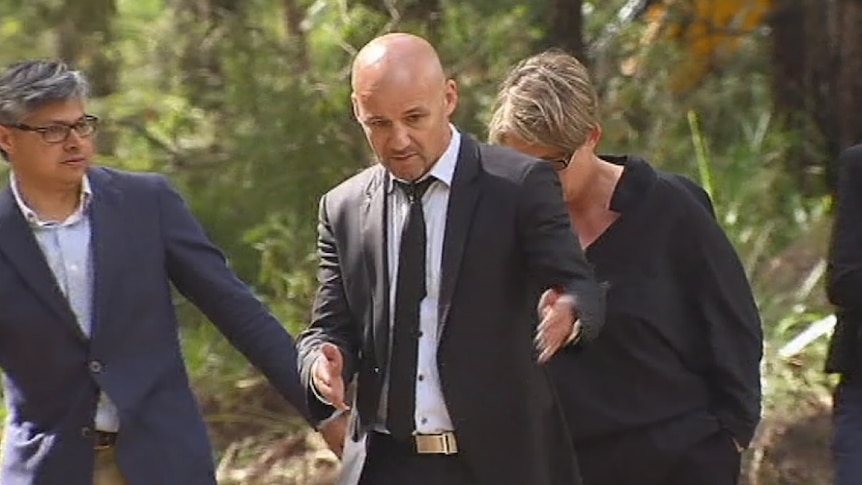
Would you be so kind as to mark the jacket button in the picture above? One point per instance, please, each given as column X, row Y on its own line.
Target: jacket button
column 86, row 432
column 95, row 366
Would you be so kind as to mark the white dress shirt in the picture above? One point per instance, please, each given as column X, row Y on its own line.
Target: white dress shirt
column 67, row 250
column 432, row 416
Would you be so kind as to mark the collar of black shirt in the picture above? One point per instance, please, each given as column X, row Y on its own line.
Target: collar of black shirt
column 637, row 178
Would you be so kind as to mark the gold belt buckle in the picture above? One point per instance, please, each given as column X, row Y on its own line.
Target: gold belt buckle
column 438, row 444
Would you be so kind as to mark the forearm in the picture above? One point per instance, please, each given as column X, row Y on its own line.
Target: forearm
column 736, row 390
column 735, row 336
column 332, row 321
column 589, row 300
column 200, row 272
column 555, row 259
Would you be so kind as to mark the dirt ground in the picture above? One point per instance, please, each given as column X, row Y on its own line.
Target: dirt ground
column 788, row 450
column 793, row 450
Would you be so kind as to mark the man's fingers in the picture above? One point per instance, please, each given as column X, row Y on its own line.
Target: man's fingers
column 547, row 300
column 553, row 330
column 333, row 391
column 332, row 355
column 327, row 378
column 338, row 394
column 548, row 353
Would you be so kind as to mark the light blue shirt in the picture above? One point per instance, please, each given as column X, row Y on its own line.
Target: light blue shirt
column 66, row 247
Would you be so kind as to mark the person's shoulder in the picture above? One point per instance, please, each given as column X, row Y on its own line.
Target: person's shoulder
column 685, row 190
column 357, row 186
column 126, row 180
column 853, row 153
column 850, row 158
column 506, row 162
column 684, row 201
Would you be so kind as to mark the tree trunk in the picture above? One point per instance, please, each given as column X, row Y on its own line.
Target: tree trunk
column 848, row 88
column 803, row 86
column 202, row 27
column 85, row 38
column 565, row 20
column 294, row 14
column 817, row 83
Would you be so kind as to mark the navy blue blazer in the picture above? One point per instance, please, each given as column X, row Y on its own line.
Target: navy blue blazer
column 143, row 238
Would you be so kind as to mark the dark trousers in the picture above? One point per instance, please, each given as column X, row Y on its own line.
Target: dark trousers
column 389, row 462
column 847, row 437
column 681, row 452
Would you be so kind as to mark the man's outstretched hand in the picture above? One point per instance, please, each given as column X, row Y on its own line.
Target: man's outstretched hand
column 326, row 376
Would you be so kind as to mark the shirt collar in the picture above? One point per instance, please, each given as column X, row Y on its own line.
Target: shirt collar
column 444, row 169
column 636, row 180
column 33, row 218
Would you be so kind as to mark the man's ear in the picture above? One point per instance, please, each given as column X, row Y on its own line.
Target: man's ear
column 5, row 138
column 355, row 106
column 451, row 96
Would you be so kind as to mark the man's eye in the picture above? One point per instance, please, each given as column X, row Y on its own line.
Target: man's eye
column 55, row 130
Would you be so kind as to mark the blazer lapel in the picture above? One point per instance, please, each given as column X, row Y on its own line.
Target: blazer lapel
column 373, row 225
column 22, row 251
column 106, row 223
column 463, row 197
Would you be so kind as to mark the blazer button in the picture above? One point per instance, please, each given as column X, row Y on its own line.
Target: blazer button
column 86, row 432
column 95, row 366
column 377, row 370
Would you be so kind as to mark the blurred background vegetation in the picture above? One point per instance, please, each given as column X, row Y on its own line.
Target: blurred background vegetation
column 245, row 104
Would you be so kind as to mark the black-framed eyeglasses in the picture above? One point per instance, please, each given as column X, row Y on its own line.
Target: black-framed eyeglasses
column 559, row 164
column 59, row 132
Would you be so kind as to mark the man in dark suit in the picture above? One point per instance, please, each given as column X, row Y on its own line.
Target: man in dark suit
column 431, row 266
column 95, row 383
column 844, row 288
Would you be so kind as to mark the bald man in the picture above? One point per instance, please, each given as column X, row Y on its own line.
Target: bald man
column 432, row 264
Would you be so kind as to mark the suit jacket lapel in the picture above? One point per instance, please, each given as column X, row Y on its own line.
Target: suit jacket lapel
column 106, row 224
column 373, row 225
column 22, row 251
column 463, row 196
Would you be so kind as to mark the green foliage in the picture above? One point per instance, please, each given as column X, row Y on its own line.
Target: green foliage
column 249, row 114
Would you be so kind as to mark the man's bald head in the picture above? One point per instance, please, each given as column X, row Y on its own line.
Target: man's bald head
column 403, row 101
column 396, row 57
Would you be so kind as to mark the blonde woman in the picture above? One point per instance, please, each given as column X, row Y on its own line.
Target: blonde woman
column 670, row 392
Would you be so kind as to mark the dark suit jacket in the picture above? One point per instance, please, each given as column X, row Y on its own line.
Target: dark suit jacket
column 508, row 237
column 143, row 238
column 844, row 270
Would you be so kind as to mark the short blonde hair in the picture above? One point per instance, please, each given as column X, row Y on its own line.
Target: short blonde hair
column 548, row 100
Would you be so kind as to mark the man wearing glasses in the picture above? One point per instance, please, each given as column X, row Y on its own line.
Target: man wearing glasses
column 95, row 384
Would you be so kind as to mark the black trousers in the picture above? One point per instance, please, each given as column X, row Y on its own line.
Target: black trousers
column 389, row 462
column 660, row 455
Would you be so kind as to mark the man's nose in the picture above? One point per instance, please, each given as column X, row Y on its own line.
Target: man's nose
column 400, row 137
column 73, row 141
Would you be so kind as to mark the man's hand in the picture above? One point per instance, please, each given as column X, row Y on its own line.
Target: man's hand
column 334, row 432
column 739, row 448
column 558, row 326
column 326, row 376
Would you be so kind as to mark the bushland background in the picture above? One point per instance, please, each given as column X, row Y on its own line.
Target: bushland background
column 245, row 105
